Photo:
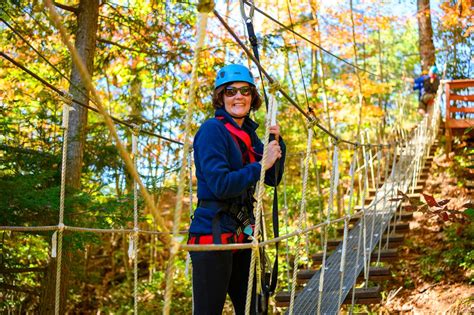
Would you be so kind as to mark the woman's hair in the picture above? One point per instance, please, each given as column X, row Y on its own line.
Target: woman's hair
column 218, row 97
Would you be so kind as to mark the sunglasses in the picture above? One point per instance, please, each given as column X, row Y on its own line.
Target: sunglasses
column 232, row 91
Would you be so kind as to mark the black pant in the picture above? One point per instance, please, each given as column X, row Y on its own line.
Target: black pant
column 216, row 273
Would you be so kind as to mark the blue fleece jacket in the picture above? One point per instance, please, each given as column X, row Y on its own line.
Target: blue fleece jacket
column 220, row 172
column 418, row 85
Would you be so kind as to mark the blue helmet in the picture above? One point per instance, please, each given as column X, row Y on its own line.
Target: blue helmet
column 434, row 70
column 233, row 73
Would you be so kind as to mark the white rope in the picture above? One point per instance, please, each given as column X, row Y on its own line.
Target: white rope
column 190, row 168
column 372, row 175
column 386, row 168
column 286, row 220
column 342, row 265
column 259, row 209
column 334, row 182
column 59, row 238
column 301, row 216
column 175, row 242
column 135, row 222
column 374, row 212
column 363, row 219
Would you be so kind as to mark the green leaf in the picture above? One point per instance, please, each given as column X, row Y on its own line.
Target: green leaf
column 470, row 213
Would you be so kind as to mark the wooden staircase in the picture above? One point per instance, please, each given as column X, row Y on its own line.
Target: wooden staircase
column 376, row 274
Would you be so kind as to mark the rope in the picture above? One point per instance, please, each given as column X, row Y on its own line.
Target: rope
column 334, row 181
column 374, row 210
column 271, row 80
column 259, row 210
column 301, row 216
column 38, row 52
column 88, row 82
column 311, row 42
column 135, row 222
column 285, row 218
column 96, row 110
column 346, row 224
column 59, row 237
column 298, row 57
column 364, row 192
column 190, row 168
column 386, row 168
column 204, row 8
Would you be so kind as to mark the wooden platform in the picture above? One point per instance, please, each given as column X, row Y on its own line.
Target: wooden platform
column 375, row 274
column 362, row 296
column 386, row 255
column 459, row 108
column 400, row 227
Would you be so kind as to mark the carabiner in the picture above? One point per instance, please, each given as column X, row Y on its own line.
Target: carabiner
column 246, row 18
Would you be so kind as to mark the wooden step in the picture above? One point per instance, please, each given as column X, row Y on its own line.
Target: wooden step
column 418, row 189
column 386, row 255
column 362, row 296
column 375, row 274
column 405, row 216
column 421, row 182
column 369, row 199
column 401, row 227
column 395, row 240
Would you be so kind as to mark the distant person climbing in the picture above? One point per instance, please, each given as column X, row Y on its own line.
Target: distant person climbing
column 227, row 156
column 427, row 86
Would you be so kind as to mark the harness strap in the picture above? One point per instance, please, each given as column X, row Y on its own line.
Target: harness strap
column 236, row 210
column 238, row 134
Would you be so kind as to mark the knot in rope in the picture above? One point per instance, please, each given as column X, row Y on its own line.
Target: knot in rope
column 205, row 6
column 274, row 86
column 174, row 246
column 66, row 97
column 61, row 227
column 135, row 128
column 312, row 121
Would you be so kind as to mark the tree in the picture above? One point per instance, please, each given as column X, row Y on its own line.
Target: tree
column 87, row 24
column 426, row 46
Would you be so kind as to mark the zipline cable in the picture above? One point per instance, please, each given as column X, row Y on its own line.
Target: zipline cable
column 273, row 81
column 310, row 41
column 63, row 94
column 288, row 3
column 39, row 53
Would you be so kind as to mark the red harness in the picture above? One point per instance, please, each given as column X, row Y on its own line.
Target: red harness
column 238, row 134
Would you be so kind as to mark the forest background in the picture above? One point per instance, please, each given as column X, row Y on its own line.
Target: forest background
column 140, row 54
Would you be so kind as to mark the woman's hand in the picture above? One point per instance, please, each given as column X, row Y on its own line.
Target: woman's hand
column 275, row 130
column 273, row 153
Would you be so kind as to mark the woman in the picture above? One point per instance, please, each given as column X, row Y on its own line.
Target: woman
column 227, row 155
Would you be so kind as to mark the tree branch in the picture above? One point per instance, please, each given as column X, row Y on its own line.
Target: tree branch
column 29, row 290
column 66, row 7
column 21, row 270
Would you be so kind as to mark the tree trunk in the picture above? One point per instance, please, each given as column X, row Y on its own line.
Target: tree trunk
column 87, row 23
column 425, row 31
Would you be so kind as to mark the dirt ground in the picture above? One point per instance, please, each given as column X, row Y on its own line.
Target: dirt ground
column 410, row 292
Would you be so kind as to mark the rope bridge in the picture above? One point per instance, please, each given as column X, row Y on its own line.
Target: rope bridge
column 386, row 167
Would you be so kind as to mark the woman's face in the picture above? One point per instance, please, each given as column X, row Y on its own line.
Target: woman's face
column 237, row 99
